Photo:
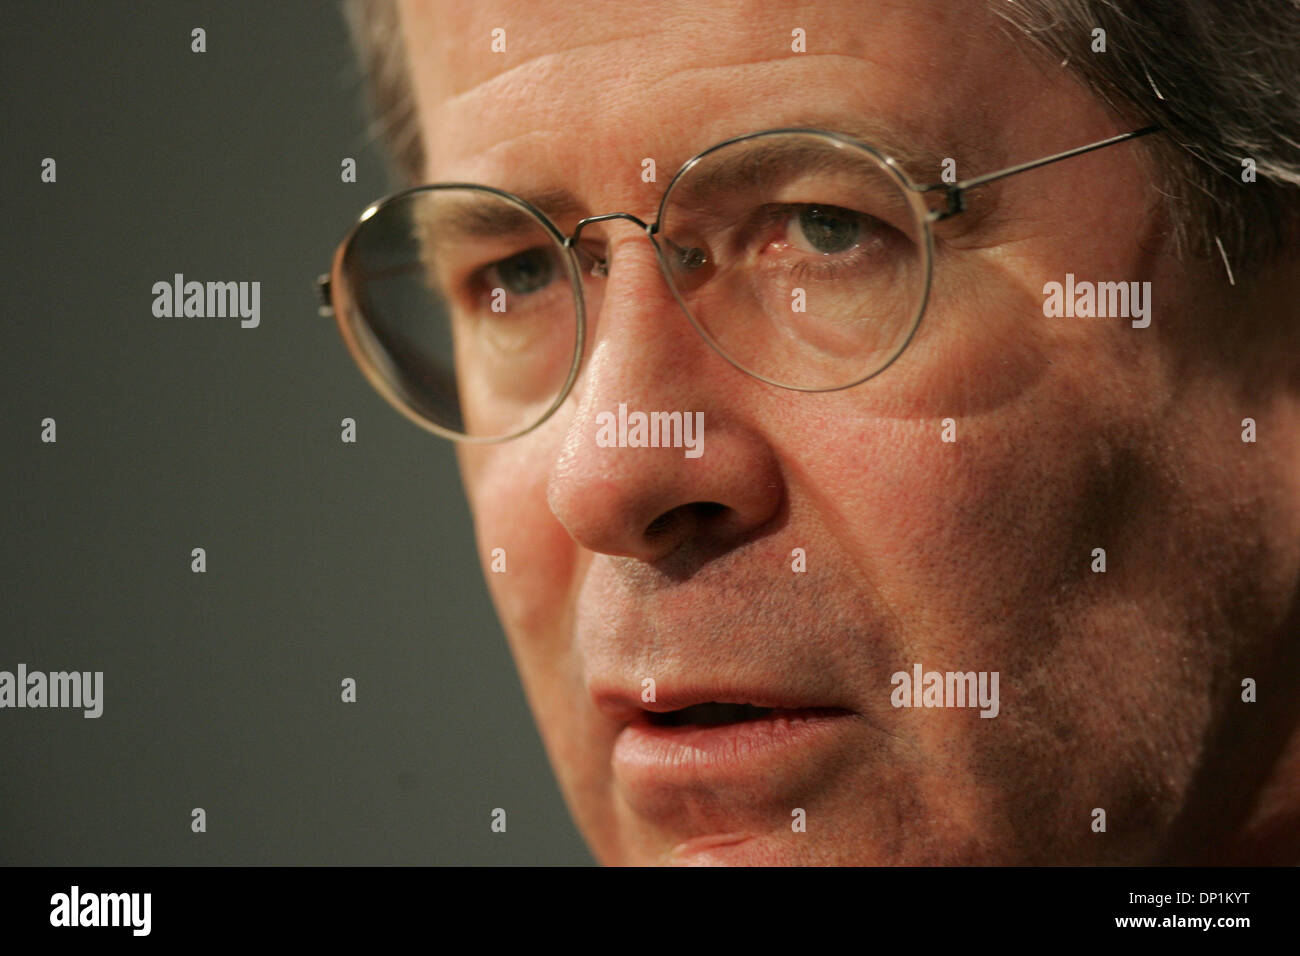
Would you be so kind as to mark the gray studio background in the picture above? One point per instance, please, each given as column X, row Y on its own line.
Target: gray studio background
column 325, row 560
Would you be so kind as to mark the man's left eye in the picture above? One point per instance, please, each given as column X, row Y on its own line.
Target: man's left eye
column 825, row 230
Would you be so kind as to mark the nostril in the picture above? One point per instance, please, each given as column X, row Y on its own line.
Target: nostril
column 698, row 512
column 705, row 510
column 660, row 526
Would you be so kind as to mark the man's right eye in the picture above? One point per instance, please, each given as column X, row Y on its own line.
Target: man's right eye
column 524, row 273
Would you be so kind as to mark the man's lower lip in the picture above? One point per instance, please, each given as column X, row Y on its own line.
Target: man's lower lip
column 650, row 754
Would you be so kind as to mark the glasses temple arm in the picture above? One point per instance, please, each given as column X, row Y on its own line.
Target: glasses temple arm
column 955, row 191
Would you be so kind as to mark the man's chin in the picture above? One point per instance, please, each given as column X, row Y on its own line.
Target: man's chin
column 770, row 849
column 735, row 849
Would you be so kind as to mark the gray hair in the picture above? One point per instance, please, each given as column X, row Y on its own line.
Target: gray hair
column 1222, row 77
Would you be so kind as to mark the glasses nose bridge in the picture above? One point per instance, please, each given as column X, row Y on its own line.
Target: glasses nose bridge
column 688, row 258
column 604, row 217
column 600, row 265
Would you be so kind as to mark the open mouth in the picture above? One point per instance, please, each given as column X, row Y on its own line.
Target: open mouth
column 723, row 743
column 712, row 713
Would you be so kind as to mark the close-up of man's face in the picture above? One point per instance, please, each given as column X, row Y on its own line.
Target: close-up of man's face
column 726, row 648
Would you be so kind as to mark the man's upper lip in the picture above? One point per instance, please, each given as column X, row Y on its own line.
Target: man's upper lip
column 624, row 704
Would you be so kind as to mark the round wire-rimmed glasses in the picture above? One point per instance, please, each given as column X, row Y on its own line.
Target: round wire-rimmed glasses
column 803, row 257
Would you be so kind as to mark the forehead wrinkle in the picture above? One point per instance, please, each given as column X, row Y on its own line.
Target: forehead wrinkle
column 453, row 62
column 655, row 29
column 539, row 61
column 918, row 154
column 559, row 87
column 664, row 36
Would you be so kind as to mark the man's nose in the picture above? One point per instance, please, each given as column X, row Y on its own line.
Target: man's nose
column 712, row 479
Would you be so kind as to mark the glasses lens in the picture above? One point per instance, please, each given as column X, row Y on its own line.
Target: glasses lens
column 800, row 257
column 460, row 307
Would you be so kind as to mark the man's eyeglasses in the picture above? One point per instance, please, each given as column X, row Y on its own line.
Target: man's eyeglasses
column 802, row 256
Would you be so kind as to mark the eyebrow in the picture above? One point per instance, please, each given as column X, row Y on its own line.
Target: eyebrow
column 487, row 218
column 765, row 164
column 483, row 217
column 913, row 158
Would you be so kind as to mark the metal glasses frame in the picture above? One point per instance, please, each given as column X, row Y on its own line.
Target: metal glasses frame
column 333, row 304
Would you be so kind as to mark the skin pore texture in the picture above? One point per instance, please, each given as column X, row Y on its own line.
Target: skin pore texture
column 1119, row 690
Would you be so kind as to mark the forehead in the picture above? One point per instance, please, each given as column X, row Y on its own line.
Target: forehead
column 583, row 86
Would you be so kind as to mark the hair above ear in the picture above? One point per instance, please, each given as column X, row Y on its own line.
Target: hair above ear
column 1222, row 78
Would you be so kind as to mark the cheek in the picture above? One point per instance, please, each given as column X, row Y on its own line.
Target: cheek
column 983, row 527
column 1043, row 462
column 506, row 486
column 984, row 530
column 981, row 344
